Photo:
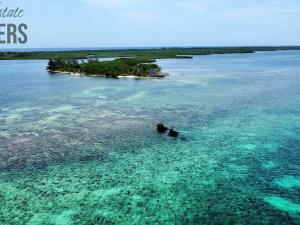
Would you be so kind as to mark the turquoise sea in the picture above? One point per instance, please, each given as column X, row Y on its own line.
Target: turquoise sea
column 77, row 150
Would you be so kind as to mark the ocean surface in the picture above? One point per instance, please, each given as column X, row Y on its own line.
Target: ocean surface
column 78, row 150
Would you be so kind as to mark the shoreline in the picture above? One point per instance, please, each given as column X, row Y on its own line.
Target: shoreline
column 104, row 76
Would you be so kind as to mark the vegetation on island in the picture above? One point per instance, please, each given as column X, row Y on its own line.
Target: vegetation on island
column 118, row 67
column 139, row 62
column 155, row 53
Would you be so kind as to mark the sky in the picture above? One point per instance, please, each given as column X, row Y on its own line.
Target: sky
column 155, row 23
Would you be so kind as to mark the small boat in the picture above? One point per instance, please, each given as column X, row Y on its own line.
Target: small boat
column 161, row 128
column 173, row 133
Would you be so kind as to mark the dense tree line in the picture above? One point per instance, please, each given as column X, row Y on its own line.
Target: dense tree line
column 156, row 53
column 123, row 66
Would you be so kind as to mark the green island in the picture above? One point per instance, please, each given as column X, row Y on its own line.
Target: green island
column 119, row 67
column 131, row 62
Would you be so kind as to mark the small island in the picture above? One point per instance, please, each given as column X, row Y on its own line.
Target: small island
column 137, row 67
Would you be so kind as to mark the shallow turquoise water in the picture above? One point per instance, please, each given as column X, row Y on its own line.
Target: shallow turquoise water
column 78, row 150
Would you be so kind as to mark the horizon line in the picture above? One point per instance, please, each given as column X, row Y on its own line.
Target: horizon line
column 32, row 49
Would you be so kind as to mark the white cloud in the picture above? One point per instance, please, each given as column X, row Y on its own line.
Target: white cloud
column 132, row 9
column 149, row 10
column 265, row 9
column 112, row 4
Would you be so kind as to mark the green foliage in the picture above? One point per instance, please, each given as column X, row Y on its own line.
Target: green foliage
column 123, row 66
column 157, row 53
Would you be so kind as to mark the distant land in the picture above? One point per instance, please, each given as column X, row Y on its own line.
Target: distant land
column 145, row 53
